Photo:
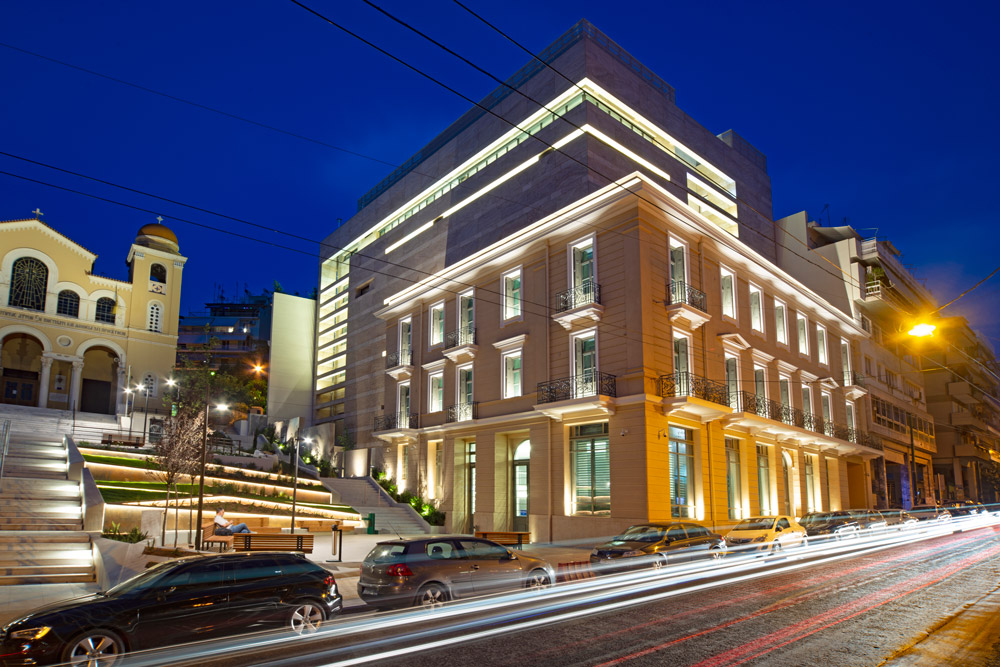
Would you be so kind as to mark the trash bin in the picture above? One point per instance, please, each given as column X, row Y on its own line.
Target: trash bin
column 371, row 524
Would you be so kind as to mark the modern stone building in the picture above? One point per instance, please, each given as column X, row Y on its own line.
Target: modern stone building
column 75, row 340
column 586, row 317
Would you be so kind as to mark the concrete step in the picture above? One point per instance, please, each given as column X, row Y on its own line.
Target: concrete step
column 20, row 580
column 42, row 525
column 18, row 514
column 38, row 505
column 38, row 473
column 67, row 542
column 44, row 454
column 45, row 557
column 46, row 569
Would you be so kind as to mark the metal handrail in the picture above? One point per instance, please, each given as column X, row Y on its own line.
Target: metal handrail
column 586, row 293
column 4, row 444
column 681, row 292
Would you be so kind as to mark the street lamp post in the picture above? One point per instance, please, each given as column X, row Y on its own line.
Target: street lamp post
column 129, row 405
column 204, row 456
column 145, row 411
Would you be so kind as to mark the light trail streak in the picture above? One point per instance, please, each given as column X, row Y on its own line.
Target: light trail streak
column 507, row 612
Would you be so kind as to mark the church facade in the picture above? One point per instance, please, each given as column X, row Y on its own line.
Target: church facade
column 71, row 339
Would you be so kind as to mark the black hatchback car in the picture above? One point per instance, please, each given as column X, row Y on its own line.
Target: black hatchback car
column 834, row 525
column 656, row 544
column 182, row 600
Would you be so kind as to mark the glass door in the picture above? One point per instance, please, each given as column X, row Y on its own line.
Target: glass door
column 521, row 459
column 583, row 275
column 585, row 366
column 681, row 367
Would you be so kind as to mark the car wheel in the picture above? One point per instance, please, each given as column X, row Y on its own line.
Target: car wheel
column 716, row 553
column 538, row 579
column 96, row 648
column 306, row 617
column 805, row 542
column 775, row 547
column 659, row 562
column 432, row 596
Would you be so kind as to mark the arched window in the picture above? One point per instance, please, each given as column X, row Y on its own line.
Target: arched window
column 158, row 273
column 105, row 310
column 29, row 279
column 149, row 384
column 68, row 303
column 155, row 317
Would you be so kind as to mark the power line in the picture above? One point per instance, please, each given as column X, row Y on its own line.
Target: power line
column 992, row 273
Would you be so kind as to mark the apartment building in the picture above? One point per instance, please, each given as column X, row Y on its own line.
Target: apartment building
column 963, row 394
column 577, row 320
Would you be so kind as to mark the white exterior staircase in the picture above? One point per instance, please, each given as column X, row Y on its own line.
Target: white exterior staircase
column 365, row 496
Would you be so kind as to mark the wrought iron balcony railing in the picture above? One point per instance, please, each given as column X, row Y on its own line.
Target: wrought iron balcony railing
column 463, row 336
column 586, row 293
column 462, row 412
column 398, row 420
column 681, row 292
column 591, row 383
column 854, row 378
column 689, row 384
column 401, row 358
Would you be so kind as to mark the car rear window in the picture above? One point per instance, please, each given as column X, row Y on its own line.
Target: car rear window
column 387, row 553
column 761, row 523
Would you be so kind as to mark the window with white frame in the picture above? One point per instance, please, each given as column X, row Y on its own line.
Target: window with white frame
column 764, row 479
column 464, row 392
column 807, row 398
column 728, row 283
column 780, row 322
column 802, row 328
column 784, row 392
column 155, row 317
column 512, row 294
column 821, row 355
column 584, row 351
column 851, row 419
column 436, row 336
column 825, row 402
column 466, row 318
column 403, row 404
column 756, row 309
column 760, row 381
column 733, row 379
column 511, row 373
column 582, row 277
column 845, row 361
column 678, row 267
column 810, row 482
column 681, row 472
column 405, row 349
column 734, row 493
column 590, row 458
column 435, row 392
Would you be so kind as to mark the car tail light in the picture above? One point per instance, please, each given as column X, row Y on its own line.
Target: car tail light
column 399, row 570
column 329, row 581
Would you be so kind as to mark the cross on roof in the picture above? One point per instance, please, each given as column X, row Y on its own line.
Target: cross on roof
column 38, row 213
column 159, row 219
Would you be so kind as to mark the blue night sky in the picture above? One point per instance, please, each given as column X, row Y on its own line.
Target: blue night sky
column 886, row 111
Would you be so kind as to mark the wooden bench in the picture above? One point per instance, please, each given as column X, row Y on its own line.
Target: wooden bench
column 208, row 536
column 506, row 537
column 273, row 542
column 318, row 525
column 112, row 439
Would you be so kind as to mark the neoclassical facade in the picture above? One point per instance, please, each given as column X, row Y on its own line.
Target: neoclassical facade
column 74, row 340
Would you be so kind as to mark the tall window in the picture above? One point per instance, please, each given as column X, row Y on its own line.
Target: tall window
column 105, row 310
column 756, row 309
column 764, row 479
column 155, row 317
column 821, row 344
column 681, row 472
column 734, row 492
column 149, row 384
column 158, row 273
column 728, row 280
column 583, row 273
column 512, row 374
column 780, row 323
column 466, row 316
column 760, row 381
column 851, row 421
column 437, row 324
column 845, row 361
column 585, row 364
column 68, row 303
column 682, row 364
column 591, row 461
column 807, row 399
column 29, row 279
column 403, row 404
column 435, row 393
column 678, row 263
column 464, row 392
column 733, row 380
column 810, row 484
column 405, row 342
column 825, row 402
column 512, row 295
column 802, row 328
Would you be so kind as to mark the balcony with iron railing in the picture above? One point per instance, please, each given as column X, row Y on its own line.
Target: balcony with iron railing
column 462, row 412
column 676, row 390
column 854, row 385
column 399, row 364
column 582, row 301
column 591, row 383
column 687, row 304
column 395, row 422
column 460, row 344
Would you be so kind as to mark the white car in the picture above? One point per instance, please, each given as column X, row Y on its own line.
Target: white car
column 766, row 534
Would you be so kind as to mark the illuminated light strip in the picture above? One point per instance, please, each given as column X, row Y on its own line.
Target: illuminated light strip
column 484, row 190
column 590, row 129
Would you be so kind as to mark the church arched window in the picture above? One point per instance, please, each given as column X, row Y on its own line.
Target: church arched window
column 155, row 317
column 68, row 303
column 105, row 310
column 29, row 279
column 158, row 273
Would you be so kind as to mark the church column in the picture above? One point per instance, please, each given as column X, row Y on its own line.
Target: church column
column 76, row 379
column 43, row 382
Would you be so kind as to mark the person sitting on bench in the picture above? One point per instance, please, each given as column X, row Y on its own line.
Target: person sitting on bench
column 225, row 527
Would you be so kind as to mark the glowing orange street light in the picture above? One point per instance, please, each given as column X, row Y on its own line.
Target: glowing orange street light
column 922, row 330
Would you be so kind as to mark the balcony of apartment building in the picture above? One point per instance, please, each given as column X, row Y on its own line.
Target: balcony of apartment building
column 399, row 364
column 758, row 414
column 884, row 300
column 883, row 262
column 854, row 385
column 687, row 305
column 979, row 416
column 689, row 395
column 460, row 345
column 396, row 425
column 461, row 412
column 582, row 302
column 591, row 393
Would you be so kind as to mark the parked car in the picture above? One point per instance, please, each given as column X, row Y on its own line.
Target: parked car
column 766, row 534
column 656, row 544
column 899, row 519
column 930, row 513
column 831, row 525
column 963, row 508
column 178, row 601
column 429, row 571
column 870, row 520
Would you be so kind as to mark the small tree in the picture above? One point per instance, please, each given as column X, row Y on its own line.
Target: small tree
column 178, row 454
